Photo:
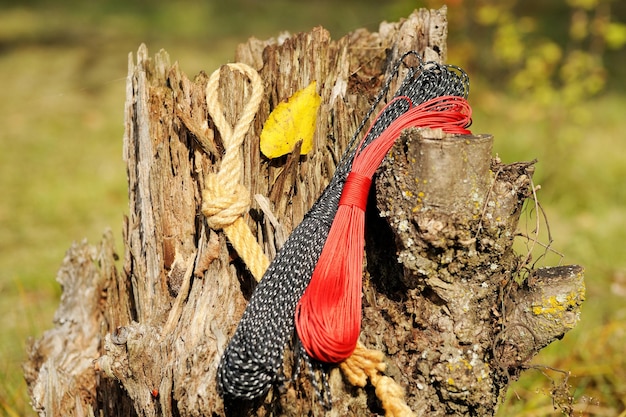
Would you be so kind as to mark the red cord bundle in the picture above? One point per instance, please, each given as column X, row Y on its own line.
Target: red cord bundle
column 328, row 316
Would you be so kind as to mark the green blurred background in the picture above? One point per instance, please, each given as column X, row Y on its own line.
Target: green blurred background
column 548, row 82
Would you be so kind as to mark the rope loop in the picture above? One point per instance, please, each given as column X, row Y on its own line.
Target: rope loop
column 232, row 137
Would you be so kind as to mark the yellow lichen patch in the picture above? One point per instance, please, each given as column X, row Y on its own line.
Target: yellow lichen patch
column 557, row 304
column 548, row 305
column 459, row 363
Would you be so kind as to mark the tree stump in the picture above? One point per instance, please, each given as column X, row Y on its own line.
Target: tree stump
column 440, row 295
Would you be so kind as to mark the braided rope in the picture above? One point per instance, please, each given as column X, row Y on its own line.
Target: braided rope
column 224, row 199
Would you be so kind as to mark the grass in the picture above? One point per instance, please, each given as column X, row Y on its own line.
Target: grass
column 63, row 179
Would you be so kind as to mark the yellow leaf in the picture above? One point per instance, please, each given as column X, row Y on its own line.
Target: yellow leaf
column 291, row 122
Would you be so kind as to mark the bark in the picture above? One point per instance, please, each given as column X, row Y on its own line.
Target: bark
column 440, row 295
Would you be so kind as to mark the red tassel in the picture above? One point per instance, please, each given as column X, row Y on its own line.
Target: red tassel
column 328, row 316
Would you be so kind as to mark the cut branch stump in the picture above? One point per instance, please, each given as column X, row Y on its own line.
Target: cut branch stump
column 440, row 296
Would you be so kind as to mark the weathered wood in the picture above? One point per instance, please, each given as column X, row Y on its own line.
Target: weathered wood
column 60, row 372
column 147, row 340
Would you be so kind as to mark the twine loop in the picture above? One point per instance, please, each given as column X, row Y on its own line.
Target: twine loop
column 232, row 137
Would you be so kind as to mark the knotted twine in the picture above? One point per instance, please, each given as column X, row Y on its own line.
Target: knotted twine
column 253, row 358
column 224, row 200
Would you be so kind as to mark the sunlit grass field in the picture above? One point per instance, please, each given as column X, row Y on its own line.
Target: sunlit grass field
column 62, row 177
